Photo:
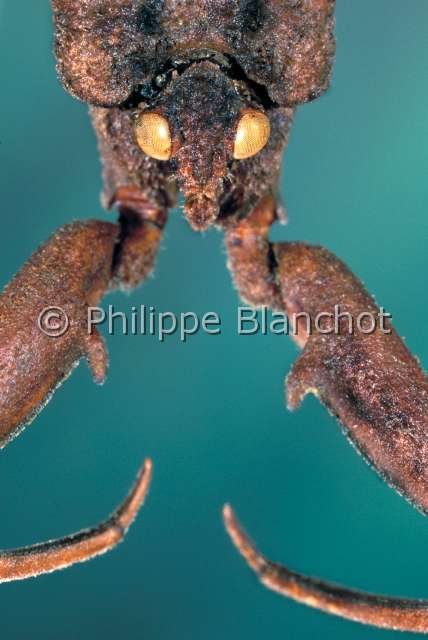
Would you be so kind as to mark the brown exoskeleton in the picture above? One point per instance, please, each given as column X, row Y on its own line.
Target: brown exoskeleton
column 199, row 96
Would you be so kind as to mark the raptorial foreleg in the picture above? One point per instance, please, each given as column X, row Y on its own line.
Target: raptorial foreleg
column 367, row 378
column 45, row 331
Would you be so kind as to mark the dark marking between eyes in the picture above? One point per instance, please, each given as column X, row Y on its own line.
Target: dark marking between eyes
column 253, row 14
column 149, row 18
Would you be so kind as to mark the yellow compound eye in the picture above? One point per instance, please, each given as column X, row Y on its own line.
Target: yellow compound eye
column 153, row 135
column 252, row 134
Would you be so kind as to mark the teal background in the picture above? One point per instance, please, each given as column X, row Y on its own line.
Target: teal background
column 211, row 412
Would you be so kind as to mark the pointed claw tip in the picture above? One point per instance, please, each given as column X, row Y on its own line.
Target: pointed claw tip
column 231, row 524
column 146, row 471
column 144, row 478
column 148, row 467
column 227, row 512
column 128, row 510
column 234, row 529
column 242, row 541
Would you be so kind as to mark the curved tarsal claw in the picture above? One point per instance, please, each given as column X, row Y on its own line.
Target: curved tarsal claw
column 380, row 611
column 242, row 542
column 27, row 562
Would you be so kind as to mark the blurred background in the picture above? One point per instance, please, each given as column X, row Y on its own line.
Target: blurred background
column 211, row 412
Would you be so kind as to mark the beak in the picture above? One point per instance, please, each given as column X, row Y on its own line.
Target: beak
column 201, row 211
column 201, row 171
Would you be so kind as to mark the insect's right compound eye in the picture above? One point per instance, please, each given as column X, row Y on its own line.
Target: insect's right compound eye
column 153, row 135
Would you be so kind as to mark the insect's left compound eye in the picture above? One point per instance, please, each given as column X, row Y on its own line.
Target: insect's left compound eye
column 252, row 134
column 153, row 135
